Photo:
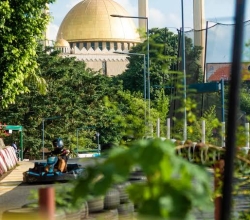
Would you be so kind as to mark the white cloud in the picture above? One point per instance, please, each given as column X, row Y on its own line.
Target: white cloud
column 132, row 9
column 156, row 18
column 161, row 20
column 53, row 29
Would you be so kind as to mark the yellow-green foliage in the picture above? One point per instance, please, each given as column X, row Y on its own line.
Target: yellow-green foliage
column 173, row 184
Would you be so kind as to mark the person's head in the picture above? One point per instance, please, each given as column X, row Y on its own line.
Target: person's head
column 57, row 143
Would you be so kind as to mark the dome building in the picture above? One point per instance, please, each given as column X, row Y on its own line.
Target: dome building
column 63, row 46
column 90, row 34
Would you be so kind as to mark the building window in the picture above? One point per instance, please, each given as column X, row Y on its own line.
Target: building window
column 100, row 45
column 108, row 45
column 71, row 45
column 85, row 45
column 92, row 45
column 115, row 46
column 78, row 45
column 104, row 67
column 122, row 46
column 128, row 46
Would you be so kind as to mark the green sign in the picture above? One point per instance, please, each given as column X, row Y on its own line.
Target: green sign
column 204, row 87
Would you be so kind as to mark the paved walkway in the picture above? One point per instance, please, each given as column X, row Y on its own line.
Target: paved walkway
column 15, row 177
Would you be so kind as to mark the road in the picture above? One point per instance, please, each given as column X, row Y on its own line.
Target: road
column 15, row 194
column 18, row 194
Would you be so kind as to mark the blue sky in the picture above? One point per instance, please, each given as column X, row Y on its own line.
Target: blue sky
column 162, row 13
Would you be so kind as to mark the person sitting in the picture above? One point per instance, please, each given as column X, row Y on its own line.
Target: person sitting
column 61, row 153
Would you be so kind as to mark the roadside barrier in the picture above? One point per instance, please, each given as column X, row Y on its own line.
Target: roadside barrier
column 8, row 159
column 3, row 166
column 10, row 164
column 12, row 154
column 9, row 156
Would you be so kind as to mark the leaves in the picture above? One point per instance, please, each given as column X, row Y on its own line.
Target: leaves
column 21, row 24
column 173, row 184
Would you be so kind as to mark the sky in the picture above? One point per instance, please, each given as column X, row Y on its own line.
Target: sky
column 162, row 13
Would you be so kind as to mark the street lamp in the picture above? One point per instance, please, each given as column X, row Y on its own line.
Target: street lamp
column 98, row 145
column 145, row 18
column 44, row 119
column 144, row 77
column 184, row 74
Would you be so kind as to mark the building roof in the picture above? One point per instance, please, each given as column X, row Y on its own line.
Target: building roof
column 62, row 43
column 90, row 20
column 218, row 71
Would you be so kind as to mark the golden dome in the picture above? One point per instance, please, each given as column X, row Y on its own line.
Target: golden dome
column 62, row 43
column 90, row 20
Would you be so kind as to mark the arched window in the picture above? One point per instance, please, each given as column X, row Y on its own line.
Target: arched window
column 85, row 45
column 108, row 45
column 115, row 46
column 100, row 45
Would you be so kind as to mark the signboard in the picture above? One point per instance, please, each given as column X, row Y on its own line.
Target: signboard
column 205, row 87
column 218, row 71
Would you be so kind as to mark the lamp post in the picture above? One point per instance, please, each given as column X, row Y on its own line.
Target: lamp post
column 44, row 119
column 98, row 145
column 184, row 74
column 144, row 78
column 145, row 18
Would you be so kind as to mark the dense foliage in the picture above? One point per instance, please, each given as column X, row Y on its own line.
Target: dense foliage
column 174, row 187
column 164, row 53
column 78, row 100
column 22, row 23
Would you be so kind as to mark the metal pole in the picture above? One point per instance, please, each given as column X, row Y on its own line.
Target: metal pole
column 222, row 101
column 205, row 56
column 204, row 70
column 77, row 140
column 98, row 145
column 21, row 144
column 148, row 72
column 223, row 125
column 232, row 111
column 168, row 129
column 43, row 139
column 145, row 91
column 158, row 132
column 184, row 74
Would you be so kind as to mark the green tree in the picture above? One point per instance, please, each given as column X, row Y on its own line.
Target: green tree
column 84, row 99
column 164, row 61
column 22, row 24
column 163, row 48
